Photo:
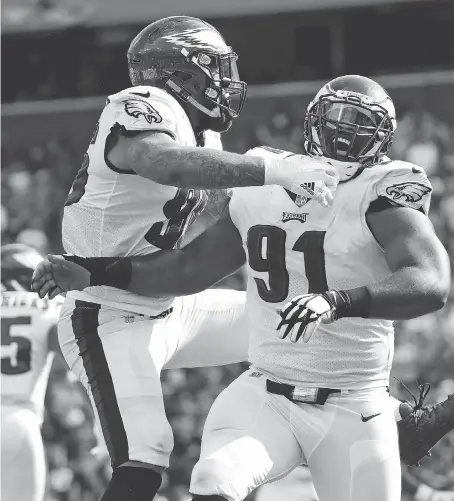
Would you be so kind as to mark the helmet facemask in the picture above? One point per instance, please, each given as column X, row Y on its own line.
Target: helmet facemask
column 349, row 127
column 210, row 82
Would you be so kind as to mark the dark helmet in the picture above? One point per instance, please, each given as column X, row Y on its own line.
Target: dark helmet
column 351, row 121
column 190, row 59
column 18, row 262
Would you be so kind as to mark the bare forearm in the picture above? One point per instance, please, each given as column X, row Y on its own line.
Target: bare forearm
column 407, row 293
column 161, row 274
column 420, row 276
column 213, row 255
column 199, row 168
column 169, row 273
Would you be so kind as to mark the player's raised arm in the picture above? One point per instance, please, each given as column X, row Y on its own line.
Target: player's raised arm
column 157, row 156
column 212, row 256
column 182, row 90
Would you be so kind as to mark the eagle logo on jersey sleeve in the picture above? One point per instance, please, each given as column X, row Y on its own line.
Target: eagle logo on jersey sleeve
column 137, row 108
column 409, row 192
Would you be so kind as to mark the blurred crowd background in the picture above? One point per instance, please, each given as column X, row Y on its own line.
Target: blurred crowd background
column 61, row 58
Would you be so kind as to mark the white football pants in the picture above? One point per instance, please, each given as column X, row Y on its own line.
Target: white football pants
column 252, row 437
column 118, row 356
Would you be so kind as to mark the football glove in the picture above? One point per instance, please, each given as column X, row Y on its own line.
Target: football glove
column 303, row 314
column 303, row 176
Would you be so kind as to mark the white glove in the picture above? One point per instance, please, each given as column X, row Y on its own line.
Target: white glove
column 426, row 493
column 303, row 314
column 303, row 175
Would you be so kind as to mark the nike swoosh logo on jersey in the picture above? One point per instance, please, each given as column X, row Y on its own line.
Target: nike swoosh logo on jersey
column 364, row 419
column 147, row 94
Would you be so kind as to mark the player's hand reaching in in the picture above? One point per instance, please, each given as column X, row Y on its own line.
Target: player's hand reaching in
column 310, row 177
column 300, row 174
column 56, row 275
column 303, row 314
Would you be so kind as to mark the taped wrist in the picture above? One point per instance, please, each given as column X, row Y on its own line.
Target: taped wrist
column 273, row 170
column 111, row 271
column 351, row 303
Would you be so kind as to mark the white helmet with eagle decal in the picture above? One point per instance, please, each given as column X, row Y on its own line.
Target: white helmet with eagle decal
column 189, row 59
column 350, row 123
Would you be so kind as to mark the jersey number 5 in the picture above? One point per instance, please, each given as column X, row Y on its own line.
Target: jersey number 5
column 16, row 350
column 266, row 249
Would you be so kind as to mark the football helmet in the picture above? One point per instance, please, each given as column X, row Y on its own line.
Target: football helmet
column 18, row 262
column 189, row 59
column 350, row 123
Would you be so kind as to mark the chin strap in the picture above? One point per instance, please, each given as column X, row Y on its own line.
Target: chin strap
column 346, row 170
column 185, row 96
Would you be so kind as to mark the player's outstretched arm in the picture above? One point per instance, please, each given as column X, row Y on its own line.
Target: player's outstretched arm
column 156, row 156
column 215, row 254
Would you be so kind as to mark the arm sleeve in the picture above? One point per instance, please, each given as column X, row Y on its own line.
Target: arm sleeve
column 406, row 185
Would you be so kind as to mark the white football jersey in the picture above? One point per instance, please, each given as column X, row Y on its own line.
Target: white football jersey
column 118, row 213
column 26, row 360
column 296, row 247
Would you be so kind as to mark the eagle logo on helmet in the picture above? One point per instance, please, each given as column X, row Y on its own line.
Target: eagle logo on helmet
column 137, row 108
column 408, row 192
column 196, row 38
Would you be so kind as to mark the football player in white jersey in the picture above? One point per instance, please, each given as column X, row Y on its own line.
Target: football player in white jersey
column 371, row 258
column 143, row 181
column 29, row 336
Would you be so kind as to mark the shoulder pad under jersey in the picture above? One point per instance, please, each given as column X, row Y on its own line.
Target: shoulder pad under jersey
column 404, row 184
column 145, row 108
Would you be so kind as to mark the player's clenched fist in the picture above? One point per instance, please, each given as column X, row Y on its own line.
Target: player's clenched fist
column 56, row 275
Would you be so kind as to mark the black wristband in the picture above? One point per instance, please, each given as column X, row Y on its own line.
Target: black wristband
column 352, row 302
column 111, row 271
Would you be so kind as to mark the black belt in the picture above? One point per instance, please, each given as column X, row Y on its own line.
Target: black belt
column 164, row 314
column 85, row 305
column 300, row 394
